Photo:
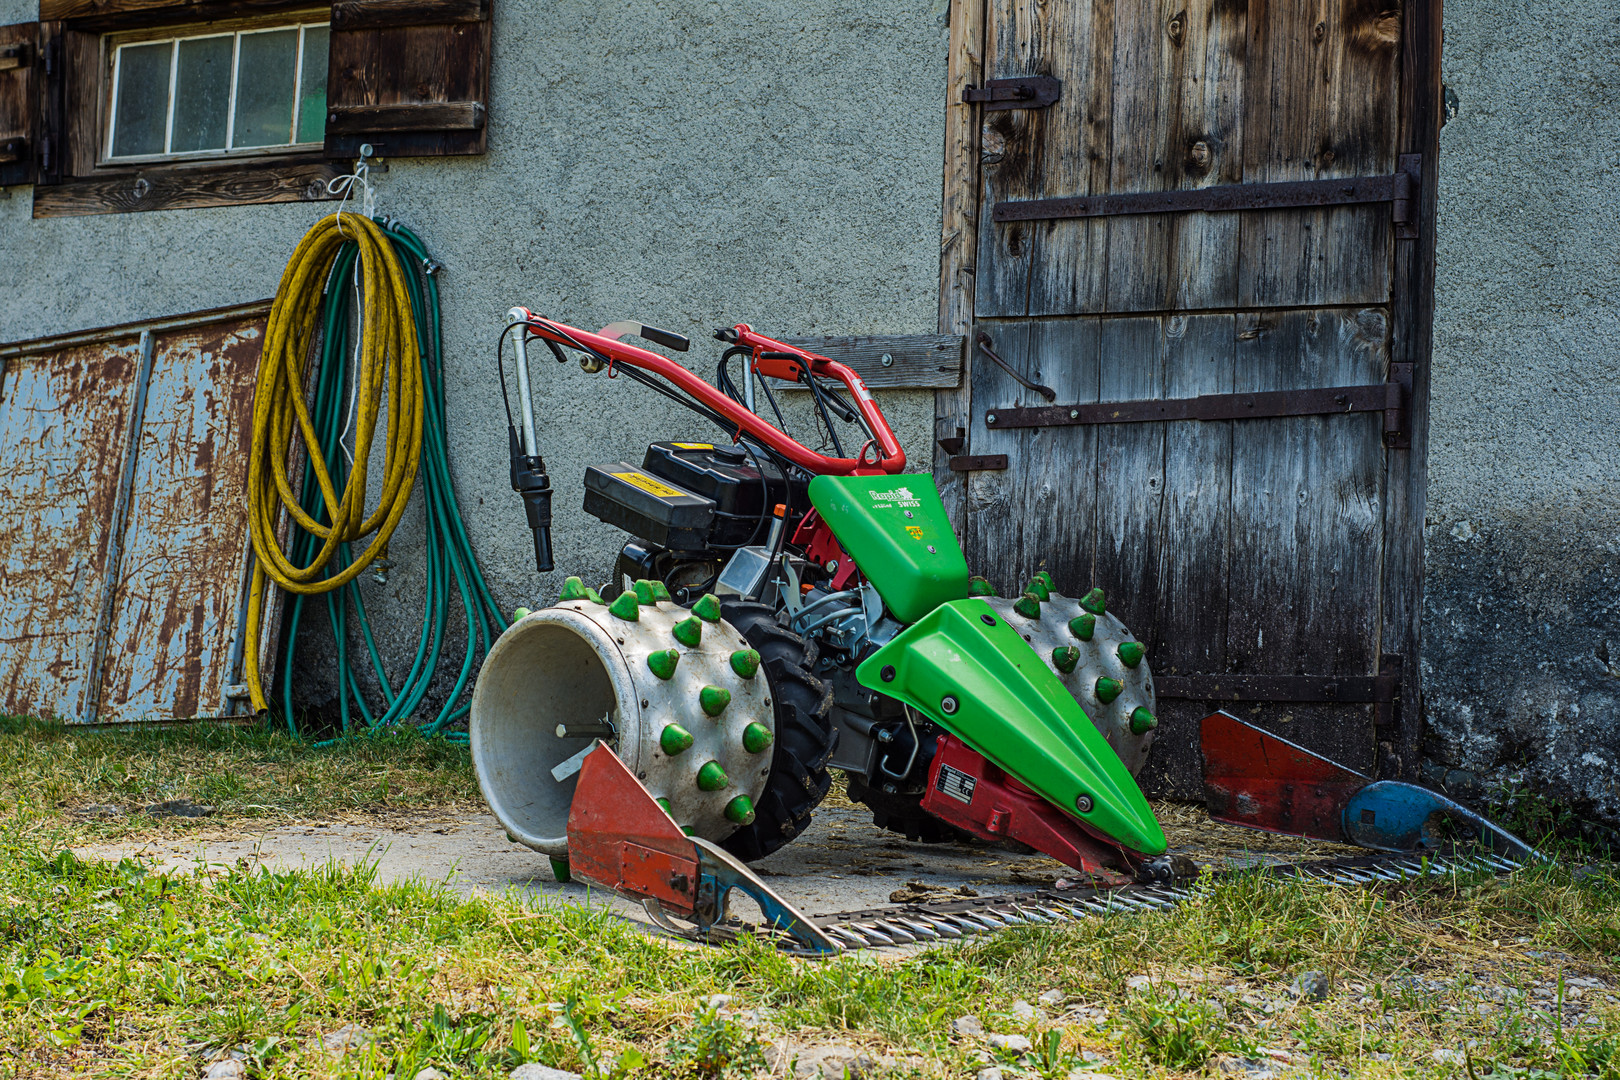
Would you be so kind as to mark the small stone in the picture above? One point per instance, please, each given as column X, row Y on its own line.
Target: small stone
column 1310, row 985
column 1094, row 602
column 713, row 700
column 826, row 1062
column 1024, row 1010
column 1065, row 658
column 1130, row 653
column 711, row 777
column 625, row 606
column 674, row 739
column 707, row 608
column 179, row 808
column 740, row 811
column 1108, row 689
column 1087, row 1074
column 573, row 589
column 662, row 663
column 1138, row 982
column 1016, row 1044
column 99, row 810
column 967, row 1025
column 716, row 1002
column 1051, row 999
column 991, row 1073
column 756, row 737
column 430, row 1073
column 1028, row 605
column 978, row 586
column 346, row 1038
column 745, row 662
column 1447, row 1056
column 535, row 1071
column 1591, row 873
column 689, row 632
column 1083, row 626
column 226, row 1069
column 1142, row 721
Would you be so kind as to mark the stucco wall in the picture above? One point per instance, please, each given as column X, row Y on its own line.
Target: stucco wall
column 687, row 163
column 1522, row 615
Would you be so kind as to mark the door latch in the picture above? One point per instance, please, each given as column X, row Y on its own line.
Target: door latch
column 1035, row 92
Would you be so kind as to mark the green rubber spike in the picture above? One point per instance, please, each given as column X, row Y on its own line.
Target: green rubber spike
column 664, row 804
column 745, row 662
column 1040, row 588
column 1109, row 689
column 756, row 737
column 740, row 810
column 594, row 597
column 674, row 739
column 559, row 870
column 978, row 586
column 1046, row 579
column 712, row 777
column 518, row 613
column 688, row 830
column 573, row 589
column 1131, row 652
column 625, row 606
column 1065, row 658
column 689, row 632
column 1083, row 626
column 1094, row 602
column 1028, row 605
column 662, row 663
column 714, row 700
column 660, row 593
column 1142, row 721
column 707, row 608
column 644, row 592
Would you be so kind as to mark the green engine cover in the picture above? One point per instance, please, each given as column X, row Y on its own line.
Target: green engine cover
column 895, row 529
column 976, row 677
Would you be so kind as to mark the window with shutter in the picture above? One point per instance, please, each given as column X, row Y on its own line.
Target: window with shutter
column 111, row 106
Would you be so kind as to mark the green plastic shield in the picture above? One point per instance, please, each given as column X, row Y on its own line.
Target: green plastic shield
column 977, row 678
column 895, row 529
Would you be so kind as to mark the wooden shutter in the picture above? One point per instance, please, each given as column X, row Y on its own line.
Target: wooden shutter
column 19, row 56
column 410, row 77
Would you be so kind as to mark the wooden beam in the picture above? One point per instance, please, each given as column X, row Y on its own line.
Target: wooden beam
column 405, row 116
column 915, row 362
column 173, row 187
column 958, row 243
column 368, row 14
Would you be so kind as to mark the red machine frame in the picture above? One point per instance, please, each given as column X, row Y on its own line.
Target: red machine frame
column 769, row 357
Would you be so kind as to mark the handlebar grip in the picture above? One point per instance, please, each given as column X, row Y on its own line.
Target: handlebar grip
column 542, row 550
column 667, row 338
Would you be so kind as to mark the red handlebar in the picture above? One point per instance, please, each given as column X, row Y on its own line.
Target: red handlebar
column 887, row 456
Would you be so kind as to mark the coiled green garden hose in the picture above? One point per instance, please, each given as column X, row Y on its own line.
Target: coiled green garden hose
column 449, row 558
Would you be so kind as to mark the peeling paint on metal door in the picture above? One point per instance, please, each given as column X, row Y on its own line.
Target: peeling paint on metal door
column 171, row 590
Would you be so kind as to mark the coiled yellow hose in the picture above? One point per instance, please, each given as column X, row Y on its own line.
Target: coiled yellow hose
column 390, row 357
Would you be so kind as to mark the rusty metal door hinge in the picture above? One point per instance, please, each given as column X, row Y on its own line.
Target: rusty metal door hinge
column 1388, row 398
column 1036, row 92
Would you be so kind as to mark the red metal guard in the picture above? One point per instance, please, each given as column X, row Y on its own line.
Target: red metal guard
column 966, row 790
column 620, row 838
column 1255, row 779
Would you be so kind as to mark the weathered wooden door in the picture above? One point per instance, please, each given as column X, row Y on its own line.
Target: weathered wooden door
column 1207, row 266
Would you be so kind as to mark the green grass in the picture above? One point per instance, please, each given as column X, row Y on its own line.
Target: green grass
column 112, row 969
column 244, row 772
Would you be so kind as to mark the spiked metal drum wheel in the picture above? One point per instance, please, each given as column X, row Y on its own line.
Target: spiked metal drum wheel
column 1094, row 655
column 677, row 693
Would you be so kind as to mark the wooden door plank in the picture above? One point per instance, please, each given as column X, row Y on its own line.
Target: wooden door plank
column 1039, row 513
column 1320, row 104
column 1307, row 523
column 1052, row 266
column 1188, row 635
column 1143, row 158
column 1130, row 472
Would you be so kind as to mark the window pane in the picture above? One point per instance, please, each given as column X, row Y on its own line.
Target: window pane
column 141, row 111
column 312, row 91
column 264, row 88
column 202, row 94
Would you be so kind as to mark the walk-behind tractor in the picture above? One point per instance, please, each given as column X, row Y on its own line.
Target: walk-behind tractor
column 780, row 613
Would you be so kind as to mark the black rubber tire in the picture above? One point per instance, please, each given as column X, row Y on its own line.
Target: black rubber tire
column 805, row 736
column 903, row 814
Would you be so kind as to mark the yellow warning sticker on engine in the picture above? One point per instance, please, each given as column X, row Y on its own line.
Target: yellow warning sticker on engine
column 694, row 445
column 649, row 485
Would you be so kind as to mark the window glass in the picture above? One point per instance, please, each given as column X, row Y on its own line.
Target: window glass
column 312, row 85
column 202, row 94
column 140, row 120
column 266, row 74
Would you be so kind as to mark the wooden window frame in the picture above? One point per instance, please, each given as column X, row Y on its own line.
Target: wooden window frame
column 313, row 17
column 85, row 34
